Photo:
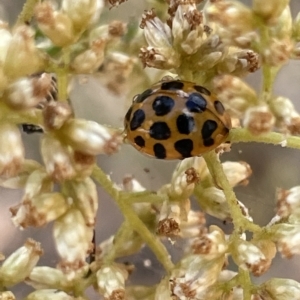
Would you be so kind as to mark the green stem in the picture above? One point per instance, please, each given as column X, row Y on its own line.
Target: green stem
column 136, row 224
column 216, row 170
column 245, row 282
column 27, row 12
column 241, row 135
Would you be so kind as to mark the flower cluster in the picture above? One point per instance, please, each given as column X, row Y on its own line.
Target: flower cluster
column 214, row 46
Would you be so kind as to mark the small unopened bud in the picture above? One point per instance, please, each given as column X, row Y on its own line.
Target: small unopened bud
column 28, row 92
column 47, row 278
column 283, row 110
column 57, row 159
column 55, row 25
column 195, row 275
column 90, row 60
column 20, row 263
column 235, row 94
column 278, row 52
column 38, row 182
column 82, row 12
column 39, row 210
column 212, row 243
column 73, row 239
column 111, row 281
column 248, row 256
column 49, row 294
column 194, row 225
column 237, row 172
column 269, row 11
column 11, row 150
column 280, row 289
column 22, row 50
column 287, row 237
column 259, row 120
column 234, row 19
column 288, row 201
column 85, row 198
column 90, row 137
column 56, row 114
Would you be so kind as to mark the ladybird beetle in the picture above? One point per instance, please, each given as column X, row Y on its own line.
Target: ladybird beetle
column 175, row 119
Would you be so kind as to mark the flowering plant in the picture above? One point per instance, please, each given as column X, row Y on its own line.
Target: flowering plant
column 214, row 43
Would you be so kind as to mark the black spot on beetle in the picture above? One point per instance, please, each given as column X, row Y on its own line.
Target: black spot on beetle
column 162, row 105
column 137, row 119
column 185, row 124
column 208, row 129
column 208, row 142
column 159, row 151
column 196, row 103
column 202, row 90
column 143, row 96
column 139, row 141
column 160, row 131
column 172, row 85
column 184, row 147
column 219, row 107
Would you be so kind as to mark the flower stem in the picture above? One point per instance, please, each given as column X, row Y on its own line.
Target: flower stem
column 136, row 224
column 216, row 170
column 239, row 135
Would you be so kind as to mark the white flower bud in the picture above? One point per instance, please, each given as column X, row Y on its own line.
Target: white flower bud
column 111, row 281
column 194, row 226
column 73, row 238
column 11, row 150
column 85, row 198
column 91, row 59
column 249, row 257
column 19, row 181
column 283, row 109
column 90, row 137
column 56, row 114
column 160, row 53
column 82, row 12
column 287, row 237
column 237, row 172
column 57, row 159
column 288, row 202
column 38, row 182
column 7, row 296
column 49, row 294
column 48, row 278
column 55, row 25
column 22, row 50
column 270, row 10
column 259, row 119
column 188, row 28
column 211, row 244
column 233, row 19
column 20, row 263
column 157, row 33
column 210, row 60
column 280, row 289
column 195, row 274
column 278, row 52
column 39, row 210
column 235, row 94
column 28, row 92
